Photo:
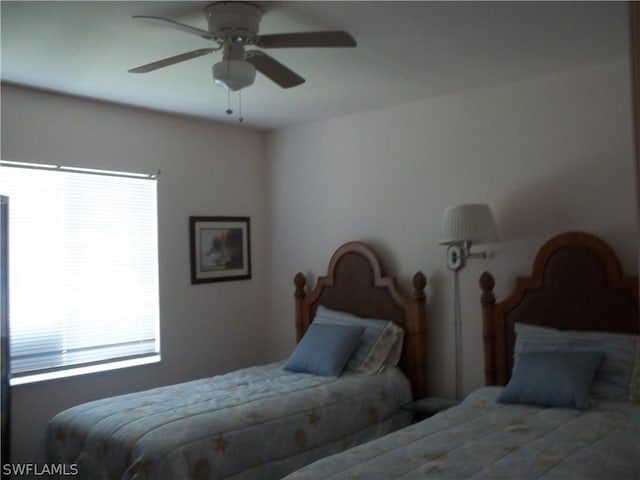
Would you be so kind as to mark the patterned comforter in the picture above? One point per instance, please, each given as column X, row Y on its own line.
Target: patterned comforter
column 256, row 423
column 482, row 439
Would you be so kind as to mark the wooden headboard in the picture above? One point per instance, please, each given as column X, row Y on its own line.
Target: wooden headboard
column 355, row 284
column 577, row 283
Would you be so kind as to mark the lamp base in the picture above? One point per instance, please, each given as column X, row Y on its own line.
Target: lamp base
column 454, row 257
column 458, row 254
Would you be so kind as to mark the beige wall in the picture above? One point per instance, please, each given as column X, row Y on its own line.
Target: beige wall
column 548, row 154
column 206, row 169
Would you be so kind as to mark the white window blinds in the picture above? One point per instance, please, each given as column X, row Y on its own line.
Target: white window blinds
column 83, row 269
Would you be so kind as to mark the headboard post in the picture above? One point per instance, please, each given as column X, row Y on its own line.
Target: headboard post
column 417, row 333
column 300, row 295
column 488, row 300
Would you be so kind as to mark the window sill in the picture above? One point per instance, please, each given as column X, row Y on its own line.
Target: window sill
column 73, row 372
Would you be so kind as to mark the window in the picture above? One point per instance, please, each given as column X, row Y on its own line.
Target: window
column 83, row 270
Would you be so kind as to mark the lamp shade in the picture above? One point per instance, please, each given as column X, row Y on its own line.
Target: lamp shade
column 472, row 222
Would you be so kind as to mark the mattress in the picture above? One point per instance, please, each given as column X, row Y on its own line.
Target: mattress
column 483, row 439
column 257, row 423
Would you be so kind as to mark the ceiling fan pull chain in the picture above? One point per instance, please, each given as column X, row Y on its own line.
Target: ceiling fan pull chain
column 240, row 118
column 228, row 110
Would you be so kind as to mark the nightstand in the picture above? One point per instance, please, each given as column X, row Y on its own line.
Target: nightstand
column 428, row 406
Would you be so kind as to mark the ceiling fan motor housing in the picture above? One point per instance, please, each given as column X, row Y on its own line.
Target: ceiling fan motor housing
column 237, row 20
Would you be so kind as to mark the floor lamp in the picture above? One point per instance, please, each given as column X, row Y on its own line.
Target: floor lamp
column 463, row 226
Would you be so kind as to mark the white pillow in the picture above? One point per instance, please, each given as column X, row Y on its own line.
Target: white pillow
column 380, row 345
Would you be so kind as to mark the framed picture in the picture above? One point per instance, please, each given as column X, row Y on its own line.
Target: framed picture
column 220, row 249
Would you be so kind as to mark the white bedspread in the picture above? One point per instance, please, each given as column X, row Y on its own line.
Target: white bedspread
column 482, row 439
column 261, row 422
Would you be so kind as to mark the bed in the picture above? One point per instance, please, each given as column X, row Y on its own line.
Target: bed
column 561, row 369
column 266, row 421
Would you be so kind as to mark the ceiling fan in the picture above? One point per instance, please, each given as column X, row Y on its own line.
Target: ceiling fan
column 232, row 26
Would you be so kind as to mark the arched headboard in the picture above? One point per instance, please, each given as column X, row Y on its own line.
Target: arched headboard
column 577, row 283
column 355, row 283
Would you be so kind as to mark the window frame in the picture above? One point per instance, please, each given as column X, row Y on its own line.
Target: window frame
column 153, row 351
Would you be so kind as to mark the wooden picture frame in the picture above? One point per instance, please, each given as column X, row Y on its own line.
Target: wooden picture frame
column 220, row 249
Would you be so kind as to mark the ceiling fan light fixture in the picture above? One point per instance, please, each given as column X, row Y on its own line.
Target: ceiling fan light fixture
column 234, row 74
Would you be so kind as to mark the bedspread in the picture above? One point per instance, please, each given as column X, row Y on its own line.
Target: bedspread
column 260, row 422
column 482, row 439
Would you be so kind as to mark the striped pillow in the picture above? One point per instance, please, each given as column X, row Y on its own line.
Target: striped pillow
column 380, row 345
column 613, row 380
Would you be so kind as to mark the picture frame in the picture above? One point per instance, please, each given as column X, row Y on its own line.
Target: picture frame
column 220, row 249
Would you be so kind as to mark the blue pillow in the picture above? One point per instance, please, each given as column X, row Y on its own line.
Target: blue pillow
column 324, row 350
column 380, row 345
column 552, row 379
column 613, row 378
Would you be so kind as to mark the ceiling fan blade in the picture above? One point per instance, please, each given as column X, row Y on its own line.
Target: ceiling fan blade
column 336, row 38
column 273, row 69
column 171, row 60
column 172, row 23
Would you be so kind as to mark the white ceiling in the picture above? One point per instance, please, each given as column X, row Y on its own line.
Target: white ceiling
column 406, row 51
